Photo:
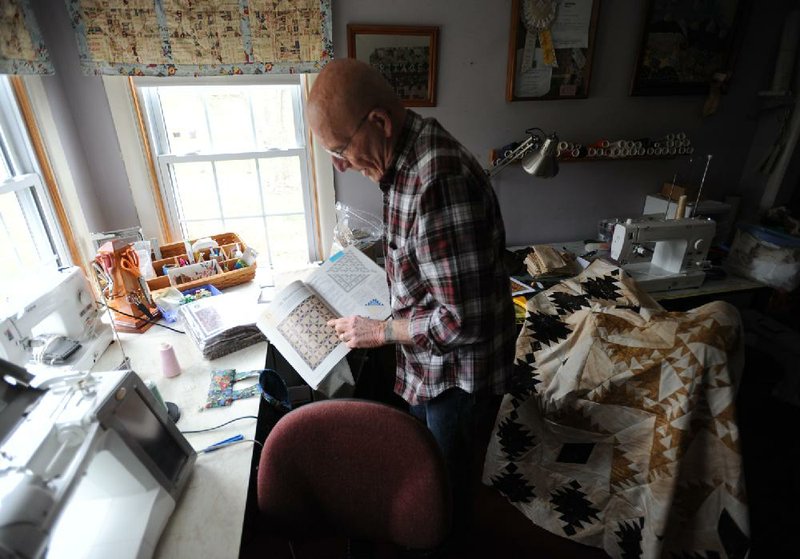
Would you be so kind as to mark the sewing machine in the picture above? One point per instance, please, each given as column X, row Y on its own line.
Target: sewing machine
column 56, row 327
column 663, row 254
column 90, row 465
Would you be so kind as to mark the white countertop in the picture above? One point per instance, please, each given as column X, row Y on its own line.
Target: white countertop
column 207, row 521
column 728, row 284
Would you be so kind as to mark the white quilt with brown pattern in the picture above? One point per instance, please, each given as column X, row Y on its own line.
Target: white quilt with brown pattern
column 620, row 432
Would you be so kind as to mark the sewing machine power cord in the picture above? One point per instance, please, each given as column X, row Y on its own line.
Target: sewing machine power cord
column 220, row 425
column 145, row 319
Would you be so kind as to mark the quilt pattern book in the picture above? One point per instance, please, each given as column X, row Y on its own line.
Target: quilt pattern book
column 620, row 432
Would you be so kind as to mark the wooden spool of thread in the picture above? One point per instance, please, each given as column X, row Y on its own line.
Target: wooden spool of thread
column 681, row 210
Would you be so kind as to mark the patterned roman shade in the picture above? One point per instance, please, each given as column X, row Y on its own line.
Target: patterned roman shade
column 21, row 48
column 209, row 38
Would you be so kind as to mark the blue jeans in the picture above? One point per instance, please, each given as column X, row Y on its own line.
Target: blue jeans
column 461, row 423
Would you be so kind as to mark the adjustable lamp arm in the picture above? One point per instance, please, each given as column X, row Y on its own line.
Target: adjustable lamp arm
column 530, row 143
column 536, row 147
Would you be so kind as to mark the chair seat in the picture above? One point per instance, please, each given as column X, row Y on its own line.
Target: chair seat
column 354, row 468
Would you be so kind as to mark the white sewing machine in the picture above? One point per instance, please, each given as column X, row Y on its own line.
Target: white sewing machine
column 663, row 254
column 56, row 326
column 91, row 467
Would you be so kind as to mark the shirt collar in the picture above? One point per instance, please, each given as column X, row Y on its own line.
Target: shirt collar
column 403, row 149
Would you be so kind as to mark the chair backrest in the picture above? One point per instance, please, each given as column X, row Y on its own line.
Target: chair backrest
column 354, row 468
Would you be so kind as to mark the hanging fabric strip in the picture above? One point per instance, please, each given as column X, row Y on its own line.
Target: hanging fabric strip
column 22, row 50
column 210, row 38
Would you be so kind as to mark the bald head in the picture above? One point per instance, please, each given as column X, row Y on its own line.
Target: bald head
column 344, row 91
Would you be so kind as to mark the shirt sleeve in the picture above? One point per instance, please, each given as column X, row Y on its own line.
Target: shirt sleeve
column 455, row 250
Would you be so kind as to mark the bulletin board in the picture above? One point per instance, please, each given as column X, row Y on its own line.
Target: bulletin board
column 550, row 49
column 685, row 43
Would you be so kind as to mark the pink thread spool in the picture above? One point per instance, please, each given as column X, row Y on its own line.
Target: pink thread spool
column 169, row 363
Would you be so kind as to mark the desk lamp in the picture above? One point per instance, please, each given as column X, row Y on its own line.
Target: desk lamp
column 537, row 154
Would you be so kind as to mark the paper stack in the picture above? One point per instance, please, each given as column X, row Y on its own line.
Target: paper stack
column 222, row 324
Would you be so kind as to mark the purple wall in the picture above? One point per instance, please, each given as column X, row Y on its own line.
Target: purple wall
column 471, row 103
column 83, row 117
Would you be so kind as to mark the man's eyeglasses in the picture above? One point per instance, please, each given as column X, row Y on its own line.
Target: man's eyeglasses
column 339, row 153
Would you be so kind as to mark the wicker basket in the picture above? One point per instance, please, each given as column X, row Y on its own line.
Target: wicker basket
column 172, row 253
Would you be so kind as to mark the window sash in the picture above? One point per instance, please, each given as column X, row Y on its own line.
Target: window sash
column 178, row 221
column 156, row 124
column 30, row 192
column 25, row 179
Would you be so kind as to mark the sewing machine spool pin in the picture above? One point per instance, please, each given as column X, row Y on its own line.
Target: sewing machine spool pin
column 702, row 182
column 669, row 196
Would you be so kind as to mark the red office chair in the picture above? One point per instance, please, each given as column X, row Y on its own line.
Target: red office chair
column 354, row 468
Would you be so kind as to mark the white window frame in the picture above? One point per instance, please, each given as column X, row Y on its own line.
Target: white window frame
column 26, row 180
column 30, row 190
column 159, row 141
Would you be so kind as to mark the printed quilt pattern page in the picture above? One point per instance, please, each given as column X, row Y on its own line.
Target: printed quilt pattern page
column 353, row 285
column 296, row 322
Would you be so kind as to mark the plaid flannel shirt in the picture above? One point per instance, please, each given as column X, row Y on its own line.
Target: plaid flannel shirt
column 444, row 243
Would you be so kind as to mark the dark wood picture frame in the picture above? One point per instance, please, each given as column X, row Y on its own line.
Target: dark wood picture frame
column 406, row 55
column 570, row 80
column 683, row 45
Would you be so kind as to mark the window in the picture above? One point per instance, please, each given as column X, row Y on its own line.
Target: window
column 30, row 239
column 233, row 158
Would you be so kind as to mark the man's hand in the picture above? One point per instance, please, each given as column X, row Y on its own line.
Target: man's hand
column 357, row 331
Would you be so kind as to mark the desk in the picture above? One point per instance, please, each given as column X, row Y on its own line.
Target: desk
column 207, row 521
column 740, row 292
column 735, row 289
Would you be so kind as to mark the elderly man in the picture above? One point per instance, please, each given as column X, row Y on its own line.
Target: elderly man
column 452, row 315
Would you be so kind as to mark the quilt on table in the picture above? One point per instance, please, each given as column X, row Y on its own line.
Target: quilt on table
column 620, row 431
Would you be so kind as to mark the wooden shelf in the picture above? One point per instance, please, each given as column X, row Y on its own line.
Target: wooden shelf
column 492, row 157
column 628, row 158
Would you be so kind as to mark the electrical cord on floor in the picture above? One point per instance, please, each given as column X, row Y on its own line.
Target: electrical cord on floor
column 220, row 425
column 145, row 319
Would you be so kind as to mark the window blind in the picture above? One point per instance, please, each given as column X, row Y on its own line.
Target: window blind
column 210, row 38
column 22, row 50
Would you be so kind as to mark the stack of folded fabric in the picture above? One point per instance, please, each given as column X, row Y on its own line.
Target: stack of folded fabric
column 222, row 324
column 545, row 261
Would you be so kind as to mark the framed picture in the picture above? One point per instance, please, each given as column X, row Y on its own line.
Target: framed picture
column 405, row 55
column 685, row 43
column 550, row 49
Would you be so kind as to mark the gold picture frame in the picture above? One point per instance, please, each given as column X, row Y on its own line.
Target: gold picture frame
column 573, row 49
column 406, row 56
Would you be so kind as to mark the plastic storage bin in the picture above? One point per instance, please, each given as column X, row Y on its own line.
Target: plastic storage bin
column 765, row 255
column 172, row 315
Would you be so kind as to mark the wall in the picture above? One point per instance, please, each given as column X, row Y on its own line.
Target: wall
column 471, row 105
column 80, row 107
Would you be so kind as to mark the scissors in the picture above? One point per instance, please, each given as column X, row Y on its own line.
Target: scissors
column 129, row 261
